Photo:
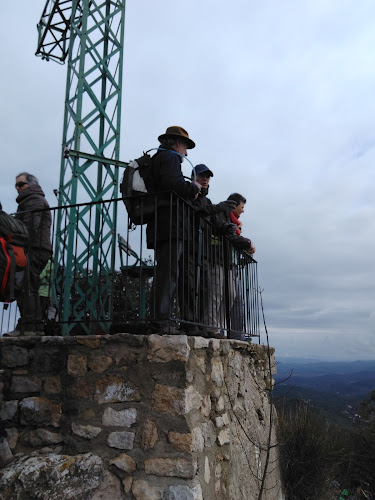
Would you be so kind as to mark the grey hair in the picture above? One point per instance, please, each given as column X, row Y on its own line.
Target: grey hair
column 31, row 179
column 168, row 142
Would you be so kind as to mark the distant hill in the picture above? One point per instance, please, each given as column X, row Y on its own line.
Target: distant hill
column 336, row 387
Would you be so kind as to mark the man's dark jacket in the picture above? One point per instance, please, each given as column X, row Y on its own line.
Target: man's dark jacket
column 38, row 223
column 171, row 218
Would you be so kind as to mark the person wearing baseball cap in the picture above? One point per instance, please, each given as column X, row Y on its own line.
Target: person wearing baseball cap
column 193, row 288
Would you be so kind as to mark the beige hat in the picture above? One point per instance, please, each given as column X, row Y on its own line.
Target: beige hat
column 177, row 132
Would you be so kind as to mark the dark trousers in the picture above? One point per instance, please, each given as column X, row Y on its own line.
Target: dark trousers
column 193, row 288
column 167, row 255
column 28, row 301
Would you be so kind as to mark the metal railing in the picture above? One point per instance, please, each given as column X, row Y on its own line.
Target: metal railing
column 177, row 272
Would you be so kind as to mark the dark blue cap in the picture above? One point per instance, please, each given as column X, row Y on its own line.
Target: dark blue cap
column 200, row 169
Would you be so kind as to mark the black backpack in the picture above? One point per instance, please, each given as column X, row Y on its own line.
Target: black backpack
column 14, row 239
column 136, row 189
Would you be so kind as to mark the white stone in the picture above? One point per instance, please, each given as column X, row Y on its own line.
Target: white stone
column 222, row 420
column 110, row 487
column 217, row 373
column 144, row 491
column 124, row 462
column 193, row 399
column 201, row 363
column 220, row 405
column 86, row 431
column 223, row 437
column 209, row 433
column 207, row 472
column 121, row 440
column 165, row 348
column 198, row 439
column 201, row 343
column 206, row 405
column 119, row 418
column 182, row 492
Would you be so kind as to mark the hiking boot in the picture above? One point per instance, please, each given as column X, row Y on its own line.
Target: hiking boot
column 14, row 333
column 214, row 333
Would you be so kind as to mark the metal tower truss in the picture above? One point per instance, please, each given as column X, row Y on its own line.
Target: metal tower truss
column 86, row 229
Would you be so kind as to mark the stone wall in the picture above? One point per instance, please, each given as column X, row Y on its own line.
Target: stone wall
column 136, row 417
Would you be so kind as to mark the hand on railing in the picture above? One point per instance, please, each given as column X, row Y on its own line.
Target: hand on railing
column 200, row 187
column 229, row 229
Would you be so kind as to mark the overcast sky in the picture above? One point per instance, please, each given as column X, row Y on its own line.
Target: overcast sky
column 280, row 100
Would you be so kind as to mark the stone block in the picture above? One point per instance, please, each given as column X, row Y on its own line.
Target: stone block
column 124, row 462
column 201, row 343
column 149, row 435
column 206, row 405
column 209, row 433
column 201, row 362
column 193, row 399
column 222, row 420
column 217, row 372
column 42, row 437
column 127, row 484
column 8, row 410
column 40, row 411
column 25, row 384
column 52, row 476
column 121, row 440
column 119, row 418
column 207, row 472
column 52, row 385
column 171, row 467
column 198, row 439
column 183, row 492
column 99, row 364
column 13, row 356
column 110, row 488
column 181, row 442
column 12, row 437
column 86, row 431
column 77, row 365
column 167, row 399
column 112, row 389
column 165, row 348
column 92, row 341
column 223, row 437
column 143, row 491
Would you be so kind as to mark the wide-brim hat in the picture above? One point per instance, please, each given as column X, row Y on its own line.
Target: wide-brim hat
column 177, row 133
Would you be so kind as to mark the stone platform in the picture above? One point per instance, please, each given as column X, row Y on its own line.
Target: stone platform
column 137, row 417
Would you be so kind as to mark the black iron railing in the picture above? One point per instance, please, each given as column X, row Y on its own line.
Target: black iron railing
column 178, row 271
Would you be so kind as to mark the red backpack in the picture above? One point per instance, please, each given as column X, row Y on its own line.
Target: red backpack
column 13, row 242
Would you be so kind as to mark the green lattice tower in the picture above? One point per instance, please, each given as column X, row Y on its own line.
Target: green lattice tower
column 89, row 36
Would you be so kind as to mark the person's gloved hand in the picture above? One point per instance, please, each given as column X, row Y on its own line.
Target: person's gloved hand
column 224, row 206
column 229, row 228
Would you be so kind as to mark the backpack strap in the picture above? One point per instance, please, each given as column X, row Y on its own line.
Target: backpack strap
column 12, row 272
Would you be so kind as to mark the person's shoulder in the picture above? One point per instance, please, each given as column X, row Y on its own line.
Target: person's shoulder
column 166, row 155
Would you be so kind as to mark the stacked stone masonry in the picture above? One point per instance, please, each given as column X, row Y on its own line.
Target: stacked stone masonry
column 137, row 417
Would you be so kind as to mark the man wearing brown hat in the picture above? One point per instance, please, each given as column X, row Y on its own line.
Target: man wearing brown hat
column 168, row 230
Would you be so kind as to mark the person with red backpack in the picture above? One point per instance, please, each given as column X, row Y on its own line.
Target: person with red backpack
column 33, row 211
